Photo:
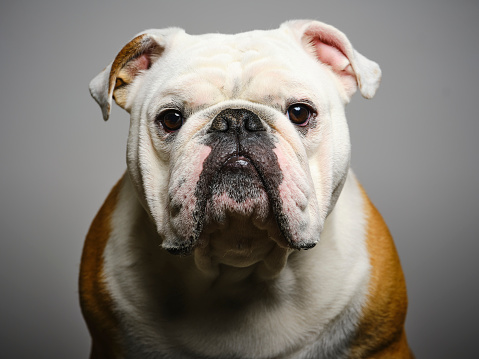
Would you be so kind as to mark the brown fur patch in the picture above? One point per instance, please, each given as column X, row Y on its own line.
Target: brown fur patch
column 95, row 301
column 125, row 67
column 381, row 332
column 129, row 51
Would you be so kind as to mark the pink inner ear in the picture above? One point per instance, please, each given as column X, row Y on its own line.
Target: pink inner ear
column 143, row 62
column 140, row 63
column 332, row 56
column 328, row 51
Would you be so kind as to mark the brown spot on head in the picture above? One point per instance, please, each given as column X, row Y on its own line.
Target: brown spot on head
column 136, row 56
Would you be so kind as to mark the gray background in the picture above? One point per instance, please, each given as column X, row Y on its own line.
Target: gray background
column 414, row 149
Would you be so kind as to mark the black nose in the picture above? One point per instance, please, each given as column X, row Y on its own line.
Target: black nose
column 236, row 120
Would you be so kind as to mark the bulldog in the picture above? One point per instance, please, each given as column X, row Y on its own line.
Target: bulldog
column 239, row 229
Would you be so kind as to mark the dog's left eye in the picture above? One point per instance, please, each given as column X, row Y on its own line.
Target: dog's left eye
column 171, row 120
column 299, row 114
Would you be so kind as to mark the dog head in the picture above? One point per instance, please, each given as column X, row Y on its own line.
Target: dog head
column 238, row 144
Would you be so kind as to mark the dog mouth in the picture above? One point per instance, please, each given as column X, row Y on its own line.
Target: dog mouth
column 235, row 187
column 238, row 162
column 239, row 178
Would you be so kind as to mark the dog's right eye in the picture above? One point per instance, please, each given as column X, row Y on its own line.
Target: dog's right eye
column 299, row 114
column 171, row 120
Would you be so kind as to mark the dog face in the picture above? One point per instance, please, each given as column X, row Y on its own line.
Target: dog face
column 238, row 144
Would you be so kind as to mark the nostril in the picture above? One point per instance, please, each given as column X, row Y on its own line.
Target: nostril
column 253, row 123
column 219, row 124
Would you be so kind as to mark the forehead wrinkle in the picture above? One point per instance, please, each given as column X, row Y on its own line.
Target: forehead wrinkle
column 241, row 69
column 258, row 77
column 239, row 59
column 270, row 83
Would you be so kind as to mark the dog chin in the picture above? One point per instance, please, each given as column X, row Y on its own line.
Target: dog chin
column 240, row 229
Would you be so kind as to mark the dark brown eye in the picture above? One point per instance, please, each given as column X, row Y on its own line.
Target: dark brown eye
column 171, row 120
column 299, row 114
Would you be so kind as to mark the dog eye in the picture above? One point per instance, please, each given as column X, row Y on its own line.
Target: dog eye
column 299, row 114
column 171, row 120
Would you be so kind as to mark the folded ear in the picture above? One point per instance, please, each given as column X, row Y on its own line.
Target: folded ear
column 331, row 47
column 135, row 58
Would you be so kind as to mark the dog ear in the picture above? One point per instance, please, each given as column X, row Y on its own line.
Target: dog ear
column 331, row 47
column 136, row 57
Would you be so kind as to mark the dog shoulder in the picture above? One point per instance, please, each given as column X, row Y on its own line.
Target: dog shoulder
column 381, row 331
column 96, row 303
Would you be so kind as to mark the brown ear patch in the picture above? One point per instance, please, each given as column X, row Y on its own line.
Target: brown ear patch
column 135, row 57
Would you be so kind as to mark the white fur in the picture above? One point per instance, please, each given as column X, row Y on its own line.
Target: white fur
column 210, row 305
